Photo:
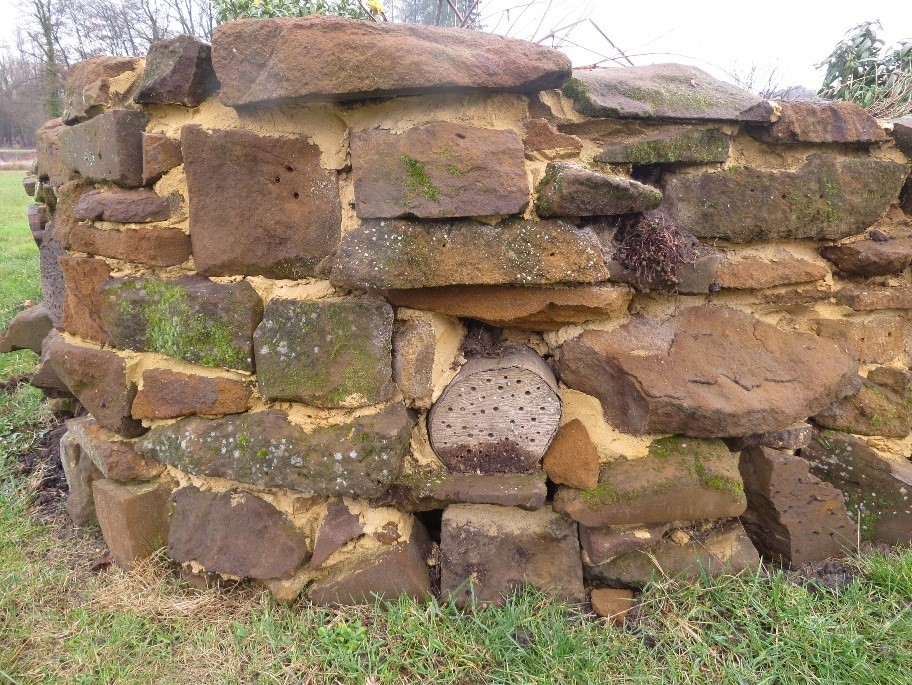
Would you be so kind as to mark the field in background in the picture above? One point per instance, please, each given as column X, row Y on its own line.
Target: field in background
column 14, row 159
column 66, row 617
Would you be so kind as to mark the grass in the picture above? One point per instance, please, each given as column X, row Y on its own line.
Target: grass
column 60, row 622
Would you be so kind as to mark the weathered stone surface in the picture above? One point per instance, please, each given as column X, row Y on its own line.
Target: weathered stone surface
column 80, row 472
column 190, row 318
column 337, row 527
column 46, row 193
column 29, row 184
column 750, row 270
column 160, row 155
column 545, row 141
column 113, row 457
column 708, row 372
column 665, row 145
column 234, row 532
column 52, row 288
column 489, row 551
column 134, row 519
column 149, row 245
column 438, row 170
column 340, row 59
column 98, row 84
column 359, row 458
column 295, row 222
column 178, row 72
column 902, row 135
column 27, row 330
column 65, row 219
column 728, row 550
column 327, row 353
column 682, row 479
column 876, row 487
column 828, row 197
column 870, row 298
column 523, row 490
column 137, row 206
column 98, row 380
column 874, row 339
column 608, row 542
column 414, row 351
column 905, row 197
column 45, row 377
column 788, row 439
column 660, row 91
column 385, row 573
column 572, row 458
column 83, row 278
column 167, row 394
column 47, row 141
column 106, row 148
column 871, row 258
column 38, row 217
column 569, row 189
column 412, row 254
column 791, row 297
column 819, row 122
column 536, row 309
column 612, row 603
column 881, row 407
column 498, row 415
column 792, row 516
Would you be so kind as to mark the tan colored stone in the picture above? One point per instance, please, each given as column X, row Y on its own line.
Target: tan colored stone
column 572, row 190
column 543, row 140
column 83, row 278
column 572, row 459
column 745, row 270
column 97, row 84
column 106, row 148
column 160, row 155
column 167, row 394
column 612, row 603
column 869, row 298
column 874, row 339
column 80, row 473
column 134, row 519
column 114, row 458
column 50, row 166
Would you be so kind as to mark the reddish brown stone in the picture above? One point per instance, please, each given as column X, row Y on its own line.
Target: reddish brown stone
column 750, row 271
column 523, row 490
column 106, row 148
column 337, row 527
column 573, row 190
column 708, row 371
column 27, row 330
column 169, row 394
column 792, row 516
column 80, row 473
column 875, row 339
column 608, row 542
column 788, row 439
column 83, row 278
column 542, row 138
column 883, row 406
column 819, row 122
column 340, row 59
column 68, row 196
column 438, row 170
column 178, row 72
column 149, row 245
column 612, row 603
column 902, row 135
column 572, row 458
column 87, row 89
column 234, row 532
column 98, row 380
column 134, row 519
column 124, row 206
column 160, row 155
column 47, row 141
column 868, row 298
column 38, row 217
column 113, row 457
column 295, row 221
column 871, row 258
column 537, row 309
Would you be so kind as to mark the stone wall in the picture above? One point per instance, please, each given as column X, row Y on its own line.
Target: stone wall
column 362, row 309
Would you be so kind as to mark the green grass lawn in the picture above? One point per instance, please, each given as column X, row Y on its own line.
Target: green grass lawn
column 61, row 622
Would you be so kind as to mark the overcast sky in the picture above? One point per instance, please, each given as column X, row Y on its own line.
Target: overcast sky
column 718, row 36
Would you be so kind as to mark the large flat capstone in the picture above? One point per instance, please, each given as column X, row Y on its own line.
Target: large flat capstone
column 359, row 458
column 706, row 372
column 270, row 60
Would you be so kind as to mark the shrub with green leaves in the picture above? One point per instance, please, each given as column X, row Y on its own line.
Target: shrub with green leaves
column 227, row 10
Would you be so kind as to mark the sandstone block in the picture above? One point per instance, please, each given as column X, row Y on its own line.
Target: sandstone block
column 870, row 298
column 425, row 346
column 234, row 532
column 65, row 219
column 98, row 379
column 876, row 487
column 609, row 542
column 124, row 206
column 870, row 257
column 523, row 490
column 29, row 184
column 27, row 330
column 97, row 84
column 819, row 122
column 829, row 197
column 682, row 479
column 294, row 60
column 543, row 140
column 360, row 458
column 487, row 552
column 80, row 472
column 160, row 155
column 38, row 217
column 708, row 371
column 106, row 148
column 134, row 519
column 573, row 190
column 902, row 135
column 572, row 458
column 612, row 603
column 52, row 287
column 876, row 409
column 876, row 339
column 327, row 353
column 788, row 439
column 412, row 254
column 660, row 91
column 189, row 318
column 45, row 377
column 664, row 145
column 749, row 270
column 438, row 170
column 167, row 394
column 178, row 72
column 113, row 457
column 337, row 527
column 149, row 245
column 83, row 279
column 47, row 141
column 295, row 222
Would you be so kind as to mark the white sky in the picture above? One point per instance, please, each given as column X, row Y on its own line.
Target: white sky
column 717, row 36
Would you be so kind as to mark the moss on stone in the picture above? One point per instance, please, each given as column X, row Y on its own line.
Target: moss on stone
column 417, row 179
column 703, row 147
column 576, row 89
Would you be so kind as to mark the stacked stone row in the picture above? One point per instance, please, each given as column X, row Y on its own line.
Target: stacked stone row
column 351, row 329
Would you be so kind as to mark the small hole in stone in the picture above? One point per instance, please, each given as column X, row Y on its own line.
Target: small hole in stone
column 277, row 179
column 296, row 195
column 288, row 167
